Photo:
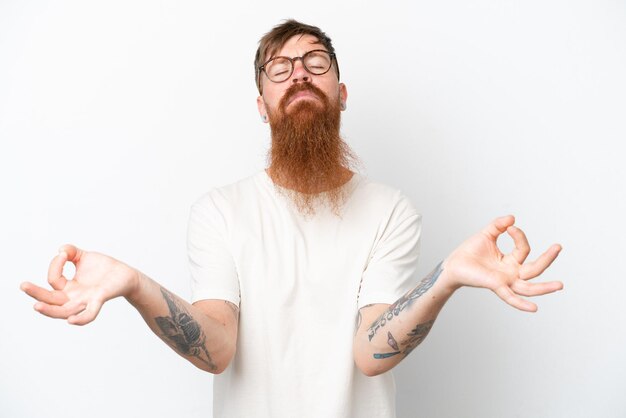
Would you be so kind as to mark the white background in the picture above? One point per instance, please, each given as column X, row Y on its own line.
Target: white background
column 115, row 116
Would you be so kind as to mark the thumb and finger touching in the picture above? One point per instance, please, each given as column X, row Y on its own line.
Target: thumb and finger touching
column 57, row 281
column 510, row 288
column 522, row 248
column 73, row 253
column 498, row 226
column 78, row 309
column 55, row 271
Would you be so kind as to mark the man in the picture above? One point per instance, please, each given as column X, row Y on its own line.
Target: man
column 284, row 261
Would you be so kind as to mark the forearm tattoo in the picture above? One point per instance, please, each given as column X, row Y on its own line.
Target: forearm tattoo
column 393, row 344
column 405, row 301
column 416, row 336
column 182, row 332
column 381, row 356
column 392, row 341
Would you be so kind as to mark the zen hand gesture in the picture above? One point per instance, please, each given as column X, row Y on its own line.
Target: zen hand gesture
column 478, row 262
column 98, row 278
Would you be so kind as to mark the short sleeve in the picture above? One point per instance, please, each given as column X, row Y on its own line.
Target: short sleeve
column 392, row 265
column 213, row 270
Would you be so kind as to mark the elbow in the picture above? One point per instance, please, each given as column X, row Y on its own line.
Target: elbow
column 371, row 371
column 216, row 370
column 371, row 368
column 367, row 364
column 218, row 363
column 213, row 367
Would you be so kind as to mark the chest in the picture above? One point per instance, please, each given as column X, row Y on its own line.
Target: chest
column 284, row 261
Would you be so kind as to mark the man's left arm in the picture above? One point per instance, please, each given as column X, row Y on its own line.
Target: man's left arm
column 386, row 334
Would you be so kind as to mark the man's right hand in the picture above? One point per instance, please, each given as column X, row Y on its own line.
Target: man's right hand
column 98, row 278
column 204, row 333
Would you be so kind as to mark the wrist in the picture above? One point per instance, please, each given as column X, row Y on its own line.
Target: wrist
column 447, row 278
column 135, row 281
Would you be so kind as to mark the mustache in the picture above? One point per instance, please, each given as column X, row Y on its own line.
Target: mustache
column 299, row 87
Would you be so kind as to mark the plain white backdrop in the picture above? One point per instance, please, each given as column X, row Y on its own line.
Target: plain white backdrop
column 115, row 116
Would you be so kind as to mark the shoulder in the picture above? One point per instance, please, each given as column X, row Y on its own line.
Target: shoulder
column 388, row 199
column 226, row 195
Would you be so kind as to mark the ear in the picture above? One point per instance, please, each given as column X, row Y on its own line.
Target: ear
column 260, row 103
column 343, row 94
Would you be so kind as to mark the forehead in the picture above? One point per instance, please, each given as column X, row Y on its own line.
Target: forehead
column 298, row 45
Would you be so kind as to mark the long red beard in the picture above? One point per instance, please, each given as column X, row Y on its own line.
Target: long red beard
column 308, row 157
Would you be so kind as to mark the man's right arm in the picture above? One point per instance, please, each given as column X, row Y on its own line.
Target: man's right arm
column 204, row 333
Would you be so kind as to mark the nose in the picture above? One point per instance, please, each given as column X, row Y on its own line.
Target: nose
column 300, row 74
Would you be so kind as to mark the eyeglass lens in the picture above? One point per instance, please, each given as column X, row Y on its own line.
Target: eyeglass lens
column 280, row 68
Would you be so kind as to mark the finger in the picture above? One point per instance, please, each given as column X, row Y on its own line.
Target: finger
column 535, row 289
column 73, row 253
column 535, row 268
column 88, row 315
column 498, row 226
column 54, row 297
column 55, row 271
column 514, row 300
column 522, row 248
column 64, row 311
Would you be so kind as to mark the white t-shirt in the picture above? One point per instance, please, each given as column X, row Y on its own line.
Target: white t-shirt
column 299, row 283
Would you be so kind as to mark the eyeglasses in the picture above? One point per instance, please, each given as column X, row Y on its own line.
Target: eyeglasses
column 279, row 69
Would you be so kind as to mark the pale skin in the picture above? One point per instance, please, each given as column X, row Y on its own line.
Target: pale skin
column 205, row 333
column 100, row 278
column 478, row 262
column 328, row 83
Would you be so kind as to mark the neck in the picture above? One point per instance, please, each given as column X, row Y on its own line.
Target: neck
column 283, row 181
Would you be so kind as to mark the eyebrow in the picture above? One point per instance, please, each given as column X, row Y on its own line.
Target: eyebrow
column 312, row 43
column 274, row 53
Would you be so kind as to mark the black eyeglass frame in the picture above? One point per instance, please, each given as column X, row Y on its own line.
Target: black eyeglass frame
column 261, row 68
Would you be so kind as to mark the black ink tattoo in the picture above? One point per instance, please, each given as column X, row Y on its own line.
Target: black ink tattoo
column 392, row 341
column 182, row 332
column 416, row 336
column 380, row 356
column 405, row 301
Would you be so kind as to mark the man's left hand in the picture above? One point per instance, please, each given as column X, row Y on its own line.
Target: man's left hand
column 478, row 262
